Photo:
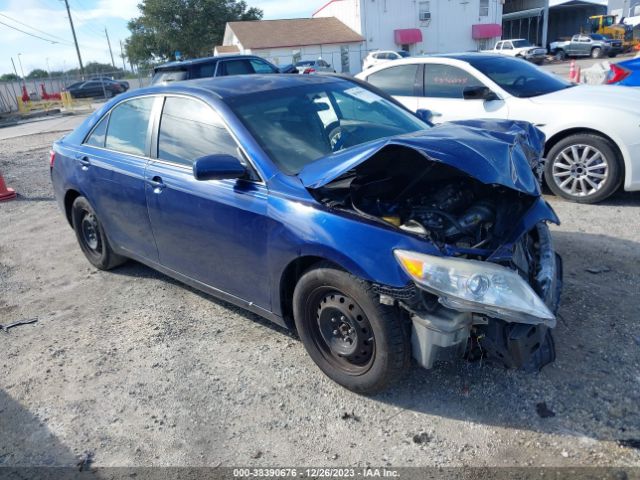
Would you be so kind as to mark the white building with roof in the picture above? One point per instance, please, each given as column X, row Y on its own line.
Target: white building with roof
column 288, row 41
column 420, row 26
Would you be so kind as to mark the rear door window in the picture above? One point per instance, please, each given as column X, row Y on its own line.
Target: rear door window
column 204, row 70
column 399, row 80
column 169, row 76
column 128, row 125
column 189, row 129
column 446, row 81
column 234, row 67
column 260, row 66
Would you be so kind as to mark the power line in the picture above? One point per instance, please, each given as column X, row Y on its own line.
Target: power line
column 30, row 34
column 35, row 29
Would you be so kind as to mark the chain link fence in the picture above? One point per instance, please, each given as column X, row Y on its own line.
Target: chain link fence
column 48, row 89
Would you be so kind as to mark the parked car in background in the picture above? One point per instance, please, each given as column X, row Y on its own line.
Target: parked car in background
column 314, row 66
column 592, row 45
column 593, row 137
column 380, row 56
column 521, row 48
column 626, row 73
column 123, row 83
column 95, row 88
column 327, row 207
column 220, row 66
column 288, row 68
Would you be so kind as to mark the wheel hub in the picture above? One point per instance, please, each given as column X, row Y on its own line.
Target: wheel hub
column 90, row 231
column 344, row 328
column 580, row 170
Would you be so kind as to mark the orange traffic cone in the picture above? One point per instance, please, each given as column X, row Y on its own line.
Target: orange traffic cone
column 6, row 193
column 572, row 70
column 578, row 75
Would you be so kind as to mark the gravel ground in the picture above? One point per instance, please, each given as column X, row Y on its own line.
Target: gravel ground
column 142, row 370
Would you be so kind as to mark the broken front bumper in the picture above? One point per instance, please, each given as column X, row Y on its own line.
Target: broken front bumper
column 440, row 332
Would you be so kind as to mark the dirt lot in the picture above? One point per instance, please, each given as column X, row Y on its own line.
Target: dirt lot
column 142, row 370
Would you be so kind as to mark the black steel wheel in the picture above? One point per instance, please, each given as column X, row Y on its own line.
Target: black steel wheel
column 342, row 331
column 91, row 237
column 356, row 341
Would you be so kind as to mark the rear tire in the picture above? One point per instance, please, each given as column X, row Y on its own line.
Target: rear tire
column 356, row 341
column 583, row 168
column 91, row 237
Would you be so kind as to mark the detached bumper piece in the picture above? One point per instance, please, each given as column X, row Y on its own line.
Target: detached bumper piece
column 516, row 345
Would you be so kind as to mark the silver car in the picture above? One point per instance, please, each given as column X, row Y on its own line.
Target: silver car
column 314, row 66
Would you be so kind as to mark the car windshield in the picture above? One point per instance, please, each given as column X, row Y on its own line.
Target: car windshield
column 521, row 43
column 305, row 63
column 404, row 54
column 518, row 77
column 296, row 126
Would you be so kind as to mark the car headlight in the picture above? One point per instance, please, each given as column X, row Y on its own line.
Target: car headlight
column 481, row 287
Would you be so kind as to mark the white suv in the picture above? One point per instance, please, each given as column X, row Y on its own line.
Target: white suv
column 381, row 56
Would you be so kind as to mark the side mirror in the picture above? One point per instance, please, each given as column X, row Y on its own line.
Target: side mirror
column 218, row 167
column 479, row 93
column 425, row 115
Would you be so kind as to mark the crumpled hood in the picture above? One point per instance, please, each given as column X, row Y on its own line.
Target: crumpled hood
column 492, row 151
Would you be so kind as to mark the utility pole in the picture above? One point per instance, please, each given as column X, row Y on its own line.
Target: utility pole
column 75, row 40
column 545, row 24
column 124, row 66
column 109, row 43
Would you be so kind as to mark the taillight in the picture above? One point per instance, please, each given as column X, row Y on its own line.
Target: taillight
column 310, row 70
column 52, row 158
column 617, row 74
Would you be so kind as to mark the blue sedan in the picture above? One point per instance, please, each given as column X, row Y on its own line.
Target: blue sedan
column 322, row 204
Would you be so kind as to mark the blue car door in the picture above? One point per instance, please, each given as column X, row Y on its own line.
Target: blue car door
column 213, row 231
column 111, row 169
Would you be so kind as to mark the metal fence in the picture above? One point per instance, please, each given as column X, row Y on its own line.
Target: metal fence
column 40, row 88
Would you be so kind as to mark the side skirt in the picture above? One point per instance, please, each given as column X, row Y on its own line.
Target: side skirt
column 208, row 289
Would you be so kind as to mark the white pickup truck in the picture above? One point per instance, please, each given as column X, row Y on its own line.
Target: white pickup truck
column 519, row 47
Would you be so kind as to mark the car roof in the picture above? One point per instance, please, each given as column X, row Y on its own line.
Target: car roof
column 198, row 61
column 466, row 56
column 238, row 85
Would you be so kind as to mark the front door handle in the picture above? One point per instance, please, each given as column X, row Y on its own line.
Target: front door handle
column 157, row 184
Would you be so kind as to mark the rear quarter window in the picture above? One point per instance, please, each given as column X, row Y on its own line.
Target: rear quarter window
column 399, row 80
column 97, row 136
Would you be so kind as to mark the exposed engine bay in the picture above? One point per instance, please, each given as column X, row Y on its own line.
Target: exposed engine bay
column 438, row 203
column 466, row 219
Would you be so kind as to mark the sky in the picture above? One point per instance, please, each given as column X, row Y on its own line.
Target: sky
column 48, row 19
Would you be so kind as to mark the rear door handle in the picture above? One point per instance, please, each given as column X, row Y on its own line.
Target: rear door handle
column 85, row 163
column 157, row 184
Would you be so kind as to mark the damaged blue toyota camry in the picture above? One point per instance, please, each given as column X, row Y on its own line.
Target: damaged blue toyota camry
column 323, row 205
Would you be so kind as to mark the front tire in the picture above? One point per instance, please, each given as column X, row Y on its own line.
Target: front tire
column 91, row 237
column 596, row 52
column 560, row 55
column 583, row 168
column 356, row 341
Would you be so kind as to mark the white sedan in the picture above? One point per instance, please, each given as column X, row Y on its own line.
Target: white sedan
column 379, row 56
column 593, row 132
